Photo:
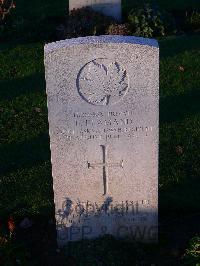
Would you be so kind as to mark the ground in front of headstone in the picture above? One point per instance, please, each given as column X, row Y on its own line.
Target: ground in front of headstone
column 38, row 245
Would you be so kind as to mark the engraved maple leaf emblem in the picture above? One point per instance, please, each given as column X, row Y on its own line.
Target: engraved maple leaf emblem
column 101, row 83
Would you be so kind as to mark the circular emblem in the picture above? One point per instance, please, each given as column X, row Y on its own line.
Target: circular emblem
column 101, row 82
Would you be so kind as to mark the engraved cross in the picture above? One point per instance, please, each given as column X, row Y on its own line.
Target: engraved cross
column 105, row 167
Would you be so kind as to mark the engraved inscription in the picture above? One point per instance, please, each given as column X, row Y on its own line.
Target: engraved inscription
column 101, row 82
column 105, row 166
column 103, row 125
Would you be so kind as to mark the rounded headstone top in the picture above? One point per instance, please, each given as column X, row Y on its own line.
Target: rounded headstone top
column 50, row 47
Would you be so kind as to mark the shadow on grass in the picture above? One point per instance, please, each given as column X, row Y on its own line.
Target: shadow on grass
column 25, row 154
column 15, row 87
column 175, row 108
column 27, row 192
column 174, row 45
column 180, row 198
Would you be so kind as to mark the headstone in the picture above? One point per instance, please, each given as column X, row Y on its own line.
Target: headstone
column 108, row 7
column 103, row 105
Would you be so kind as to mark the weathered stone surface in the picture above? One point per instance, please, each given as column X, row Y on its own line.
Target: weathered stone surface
column 103, row 104
column 108, row 7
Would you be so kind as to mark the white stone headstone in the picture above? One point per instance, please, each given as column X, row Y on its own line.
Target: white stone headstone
column 103, row 106
column 108, row 7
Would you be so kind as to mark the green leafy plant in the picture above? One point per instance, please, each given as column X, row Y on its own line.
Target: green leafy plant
column 118, row 29
column 149, row 21
column 192, row 254
column 192, row 20
column 84, row 22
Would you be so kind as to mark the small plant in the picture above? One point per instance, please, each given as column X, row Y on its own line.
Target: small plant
column 84, row 22
column 5, row 8
column 11, row 252
column 118, row 29
column 149, row 21
column 192, row 254
column 192, row 20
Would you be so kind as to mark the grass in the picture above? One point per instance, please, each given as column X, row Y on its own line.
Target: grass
column 25, row 169
column 179, row 118
column 24, row 149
